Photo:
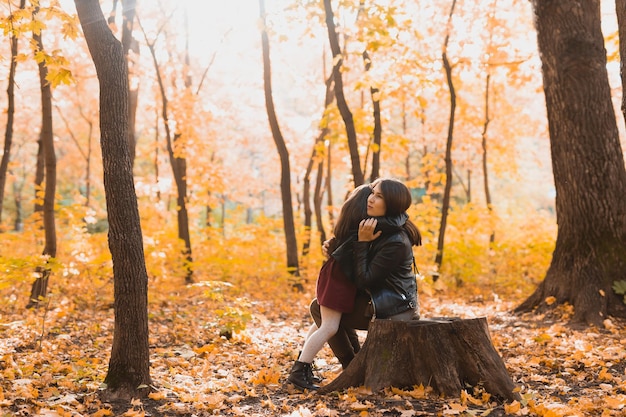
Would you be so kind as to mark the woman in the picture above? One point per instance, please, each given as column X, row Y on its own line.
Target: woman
column 336, row 291
column 383, row 266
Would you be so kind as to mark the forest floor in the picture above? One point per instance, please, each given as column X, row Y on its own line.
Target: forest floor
column 234, row 361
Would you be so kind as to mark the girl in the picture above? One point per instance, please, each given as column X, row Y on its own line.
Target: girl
column 335, row 290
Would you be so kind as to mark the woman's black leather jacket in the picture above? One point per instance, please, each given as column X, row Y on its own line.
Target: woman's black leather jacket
column 387, row 263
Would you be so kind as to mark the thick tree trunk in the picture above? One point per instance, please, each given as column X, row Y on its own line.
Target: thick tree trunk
column 620, row 9
column 446, row 354
column 129, row 367
column 342, row 104
column 587, row 162
column 40, row 286
column 285, row 170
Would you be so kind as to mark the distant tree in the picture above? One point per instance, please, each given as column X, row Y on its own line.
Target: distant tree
column 46, row 138
column 587, row 161
column 178, row 161
column 129, row 367
column 285, row 171
column 445, row 206
column 342, row 104
column 84, row 153
column 8, row 132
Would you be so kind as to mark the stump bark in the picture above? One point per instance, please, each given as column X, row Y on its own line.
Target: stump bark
column 447, row 354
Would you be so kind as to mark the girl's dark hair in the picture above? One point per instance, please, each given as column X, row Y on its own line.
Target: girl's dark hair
column 397, row 201
column 353, row 210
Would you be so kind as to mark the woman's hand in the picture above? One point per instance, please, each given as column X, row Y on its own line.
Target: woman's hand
column 325, row 247
column 366, row 230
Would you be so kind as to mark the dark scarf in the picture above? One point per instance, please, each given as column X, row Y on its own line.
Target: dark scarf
column 386, row 224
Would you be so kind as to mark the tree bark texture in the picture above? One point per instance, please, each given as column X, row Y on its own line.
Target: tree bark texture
column 285, row 170
column 620, row 11
column 342, row 104
column 446, row 354
column 39, row 288
column 129, row 366
column 587, row 162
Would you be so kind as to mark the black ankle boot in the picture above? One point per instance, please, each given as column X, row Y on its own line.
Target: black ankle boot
column 301, row 376
column 314, row 378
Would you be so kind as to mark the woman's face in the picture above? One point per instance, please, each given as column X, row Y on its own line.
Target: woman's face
column 376, row 203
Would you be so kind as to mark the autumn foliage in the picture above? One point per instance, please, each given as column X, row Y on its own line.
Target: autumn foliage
column 222, row 344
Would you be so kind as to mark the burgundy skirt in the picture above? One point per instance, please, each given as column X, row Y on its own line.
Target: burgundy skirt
column 334, row 289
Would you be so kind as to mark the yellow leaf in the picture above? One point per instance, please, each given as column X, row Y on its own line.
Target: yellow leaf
column 157, row 395
column 550, row 300
column 103, row 412
column 543, row 338
column 208, row 348
column 359, row 406
column 605, row 375
column 454, row 409
column 465, row 397
column 266, row 376
column 616, row 403
column 512, row 408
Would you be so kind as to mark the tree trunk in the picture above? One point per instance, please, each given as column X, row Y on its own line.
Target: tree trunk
column 179, row 167
column 445, row 206
column 620, row 9
column 342, row 105
column 8, row 133
column 285, row 170
column 318, row 195
column 483, row 135
column 446, row 354
column 40, row 286
column 178, row 163
column 328, row 185
column 587, row 162
column 129, row 367
column 18, row 224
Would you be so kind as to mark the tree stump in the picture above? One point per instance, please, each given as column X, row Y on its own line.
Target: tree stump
column 446, row 354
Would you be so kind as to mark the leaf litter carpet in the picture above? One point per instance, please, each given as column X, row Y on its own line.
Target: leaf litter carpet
column 199, row 367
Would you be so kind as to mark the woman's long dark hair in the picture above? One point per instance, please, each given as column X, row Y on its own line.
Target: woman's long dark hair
column 397, row 201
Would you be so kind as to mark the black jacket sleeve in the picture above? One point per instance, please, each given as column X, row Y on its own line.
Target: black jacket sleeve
column 372, row 268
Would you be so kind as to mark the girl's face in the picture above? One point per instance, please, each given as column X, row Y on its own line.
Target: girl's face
column 376, row 203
